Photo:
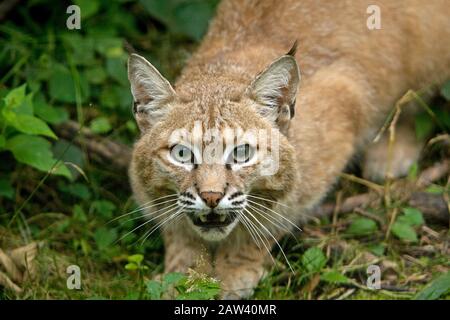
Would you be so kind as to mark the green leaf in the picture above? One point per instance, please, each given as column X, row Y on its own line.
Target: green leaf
column 28, row 124
column 109, row 97
column 438, row 287
column 116, row 68
column 62, row 85
column 125, row 97
column 131, row 126
column 78, row 190
column 104, row 208
column 136, row 258
column 48, row 113
column 412, row 216
column 88, row 8
column 203, row 292
column 79, row 214
column 15, row 97
column 362, row 226
column 81, row 48
column 424, row 125
column 96, row 75
column 72, row 155
column 192, row 18
column 377, row 249
column 24, row 107
column 443, row 117
column 6, row 190
column 445, row 90
column 334, row 277
column 413, row 171
column 35, row 152
column 131, row 266
column 173, row 278
column 189, row 18
column 404, row 231
column 100, row 125
column 105, row 237
column 110, row 47
column 313, row 259
column 435, row 189
column 154, row 289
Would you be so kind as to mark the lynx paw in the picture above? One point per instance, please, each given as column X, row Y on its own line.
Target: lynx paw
column 241, row 284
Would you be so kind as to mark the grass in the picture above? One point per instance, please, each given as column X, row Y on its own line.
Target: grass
column 71, row 218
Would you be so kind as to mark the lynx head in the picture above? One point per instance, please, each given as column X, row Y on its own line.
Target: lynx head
column 207, row 152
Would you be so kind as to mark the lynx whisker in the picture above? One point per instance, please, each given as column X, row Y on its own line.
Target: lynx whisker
column 146, row 222
column 268, row 200
column 161, row 224
column 247, row 227
column 159, row 198
column 274, row 212
column 150, row 214
column 260, row 233
column 273, row 220
column 273, row 237
column 154, row 205
column 143, row 207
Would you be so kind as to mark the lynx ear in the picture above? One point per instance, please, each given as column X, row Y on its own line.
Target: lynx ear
column 275, row 90
column 151, row 92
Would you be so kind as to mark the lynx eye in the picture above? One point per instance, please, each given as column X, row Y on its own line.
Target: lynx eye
column 182, row 154
column 242, row 154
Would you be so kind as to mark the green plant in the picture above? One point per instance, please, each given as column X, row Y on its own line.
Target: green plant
column 437, row 288
column 194, row 286
column 26, row 135
column 404, row 226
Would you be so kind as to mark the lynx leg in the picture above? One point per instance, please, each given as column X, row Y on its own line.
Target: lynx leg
column 240, row 269
column 183, row 253
column 406, row 149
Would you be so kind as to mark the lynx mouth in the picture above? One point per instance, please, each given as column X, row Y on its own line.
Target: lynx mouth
column 213, row 220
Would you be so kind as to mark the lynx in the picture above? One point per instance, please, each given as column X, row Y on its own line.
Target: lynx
column 322, row 105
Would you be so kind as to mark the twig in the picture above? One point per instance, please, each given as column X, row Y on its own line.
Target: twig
column 369, row 215
column 364, row 182
column 100, row 149
column 433, row 206
column 336, row 211
column 444, row 138
column 391, row 222
column 433, row 173
column 348, row 293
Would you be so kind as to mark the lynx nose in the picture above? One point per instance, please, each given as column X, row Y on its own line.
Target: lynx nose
column 211, row 198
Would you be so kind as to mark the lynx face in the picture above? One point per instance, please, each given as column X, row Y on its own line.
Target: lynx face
column 202, row 158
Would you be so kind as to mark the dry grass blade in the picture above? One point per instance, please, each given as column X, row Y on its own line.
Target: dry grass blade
column 7, row 283
column 433, row 206
column 433, row 173
column 24, row 258
column 10, row 267
column 17, row 265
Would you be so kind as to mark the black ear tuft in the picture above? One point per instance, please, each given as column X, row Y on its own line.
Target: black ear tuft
column 128, row 47
column 292, row 109
column 293, row 50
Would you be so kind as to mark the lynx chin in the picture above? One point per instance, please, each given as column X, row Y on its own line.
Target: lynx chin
column 200, row 174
